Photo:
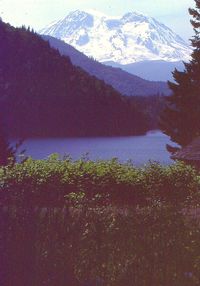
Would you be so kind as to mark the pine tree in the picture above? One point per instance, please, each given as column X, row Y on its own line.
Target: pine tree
column 7, row 152
column 181, row 117
column 10, row 152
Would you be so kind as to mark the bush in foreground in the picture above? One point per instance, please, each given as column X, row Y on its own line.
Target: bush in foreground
column 47, row 182
column 75, row 223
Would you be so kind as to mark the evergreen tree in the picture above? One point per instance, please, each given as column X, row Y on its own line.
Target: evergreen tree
column 181, row 117
column 7, row 152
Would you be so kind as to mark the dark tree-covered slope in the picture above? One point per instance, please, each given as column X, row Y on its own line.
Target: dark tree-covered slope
column 180, row 118
column 126, row 83
column 43, row 94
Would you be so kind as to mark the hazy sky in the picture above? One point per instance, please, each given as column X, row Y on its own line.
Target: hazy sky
column 38, row 13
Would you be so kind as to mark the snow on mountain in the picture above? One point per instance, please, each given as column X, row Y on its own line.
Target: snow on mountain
column 131, row 38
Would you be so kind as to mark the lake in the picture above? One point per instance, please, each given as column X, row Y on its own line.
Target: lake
column 139, row 149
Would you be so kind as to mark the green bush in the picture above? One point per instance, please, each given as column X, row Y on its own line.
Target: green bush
column 47, row 182
column 70, row 223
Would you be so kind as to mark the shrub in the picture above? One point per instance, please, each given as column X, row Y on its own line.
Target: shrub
column 65, row 222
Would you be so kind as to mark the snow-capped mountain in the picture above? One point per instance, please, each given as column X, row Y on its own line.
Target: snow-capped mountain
column 131, row 38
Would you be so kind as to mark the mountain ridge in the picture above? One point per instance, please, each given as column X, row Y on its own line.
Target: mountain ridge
column 124, row 82
column 43, row 95
column 151, row 70
column 127, row 39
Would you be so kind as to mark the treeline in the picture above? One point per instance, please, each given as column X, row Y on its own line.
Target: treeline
column 152, row 107
column 104, row 223
column 43, row 94
column 124, row 82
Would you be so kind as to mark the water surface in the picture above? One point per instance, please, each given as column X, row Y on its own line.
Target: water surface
column 139, row 149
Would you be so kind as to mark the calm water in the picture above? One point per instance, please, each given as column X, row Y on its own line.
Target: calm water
column 140, row 149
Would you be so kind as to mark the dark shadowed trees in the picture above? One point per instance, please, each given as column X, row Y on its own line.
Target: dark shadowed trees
column 181, row 117
column 7, row 152
column 46, row 96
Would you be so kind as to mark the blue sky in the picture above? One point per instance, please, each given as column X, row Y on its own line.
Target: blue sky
column 38, row 13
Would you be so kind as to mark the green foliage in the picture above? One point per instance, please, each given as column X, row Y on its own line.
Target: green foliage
column 65, row 222
column 180, row 119
column 148, row 246
column 175, row 183
column 50, row 181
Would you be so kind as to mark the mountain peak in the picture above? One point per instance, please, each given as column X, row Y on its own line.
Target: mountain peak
column 96, row 13
column 134, row 17
column 77, row 16
column 130, row 38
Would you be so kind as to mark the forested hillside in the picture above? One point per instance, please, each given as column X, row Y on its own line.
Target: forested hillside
column 43, row 94
column 124, row 82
